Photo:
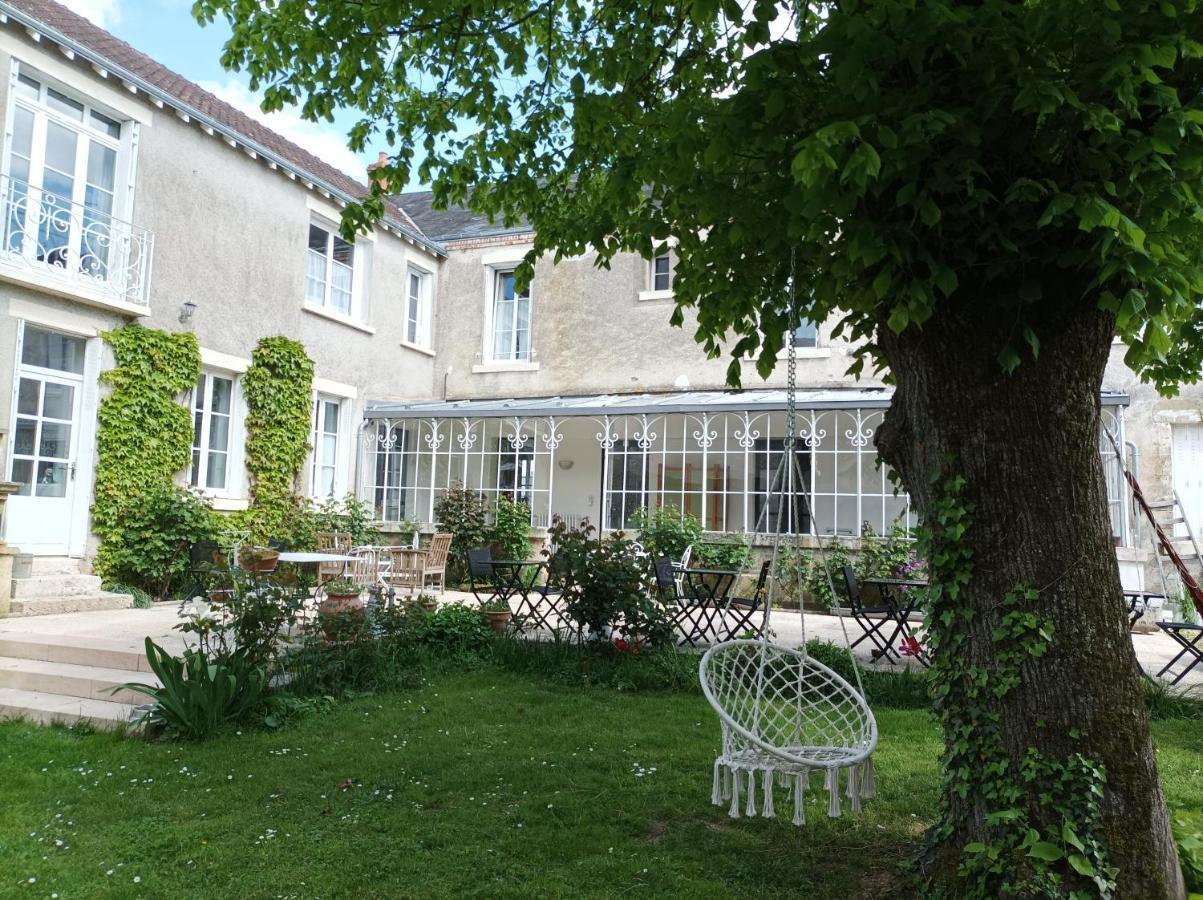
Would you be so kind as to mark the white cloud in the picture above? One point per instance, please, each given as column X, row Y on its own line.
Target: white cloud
column 105, row 13
column 326, row 142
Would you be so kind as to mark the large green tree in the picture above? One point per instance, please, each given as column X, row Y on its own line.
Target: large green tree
column 986, row 193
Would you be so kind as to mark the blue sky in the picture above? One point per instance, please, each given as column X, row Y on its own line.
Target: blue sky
column 165, row 30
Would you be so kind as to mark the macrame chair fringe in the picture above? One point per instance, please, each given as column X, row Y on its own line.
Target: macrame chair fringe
column 716, row 791
column 853, row 789
column 868, row 780
column 833, row 792
column 768, row 810
column 750, row 809
column 799, row 798
column 733, row 812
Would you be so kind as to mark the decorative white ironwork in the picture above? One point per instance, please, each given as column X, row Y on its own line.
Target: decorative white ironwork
column 645, row 437
column 75, row 242
column 435, row 437
column 747, row 436
column 607, row 438
column 860, row 435
column 552, row 438
column 467, row 438
column 517, row 437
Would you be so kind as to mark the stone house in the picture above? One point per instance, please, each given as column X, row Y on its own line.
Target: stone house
column 131, row 194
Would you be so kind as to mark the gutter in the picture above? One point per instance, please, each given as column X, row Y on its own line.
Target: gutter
column 133, row 83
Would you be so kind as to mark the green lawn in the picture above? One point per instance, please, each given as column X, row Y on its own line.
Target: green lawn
column 478, row 785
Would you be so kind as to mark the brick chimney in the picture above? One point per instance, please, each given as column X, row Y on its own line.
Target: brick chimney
column 381, row 160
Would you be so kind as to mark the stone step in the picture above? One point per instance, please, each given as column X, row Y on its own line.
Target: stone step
column 37, row 586
column 45, row 708
column 47, row 606
column 54, row 565
column 90, row 652
column 70, row 680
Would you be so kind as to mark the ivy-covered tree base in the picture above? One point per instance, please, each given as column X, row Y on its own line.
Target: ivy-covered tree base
column 1051, row 786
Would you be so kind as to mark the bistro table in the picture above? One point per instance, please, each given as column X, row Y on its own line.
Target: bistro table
column 308, row 558
column 900, row 598
column 519, row 578
column 702, row 603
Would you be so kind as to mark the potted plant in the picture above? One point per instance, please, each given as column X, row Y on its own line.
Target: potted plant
column 498, row 614
column 258, row 559
column 427, row 602
column 342, row 596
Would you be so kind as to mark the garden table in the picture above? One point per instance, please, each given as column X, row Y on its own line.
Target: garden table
column 702, row 603
column 1191, row 647
column 900, row 599
column 520, row 578
column 1138, row 603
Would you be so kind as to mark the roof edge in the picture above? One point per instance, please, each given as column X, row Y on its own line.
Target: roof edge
column 165, row 98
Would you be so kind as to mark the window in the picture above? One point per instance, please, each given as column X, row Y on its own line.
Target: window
column 61, row 187
column 511, row 320
column 46, row 413
column 773, row 511
column 326, row 420
column 515, row 471
column 628, row 483
column 418, row 308
column 212, row 417
column 806, row 334
column 330, row 278
column 662, row 273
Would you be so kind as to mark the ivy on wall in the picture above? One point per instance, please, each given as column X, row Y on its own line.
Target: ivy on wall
column 278, row 389
column 144, row 438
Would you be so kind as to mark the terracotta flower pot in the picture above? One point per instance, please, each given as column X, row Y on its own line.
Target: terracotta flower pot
column 336, row 604
column 499, row 620
column 429, row 605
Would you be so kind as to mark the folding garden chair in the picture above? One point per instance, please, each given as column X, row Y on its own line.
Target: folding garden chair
column 739, row 612
column 690, row 617
column 874, row 621
column 1189, row 637
column 481, row 575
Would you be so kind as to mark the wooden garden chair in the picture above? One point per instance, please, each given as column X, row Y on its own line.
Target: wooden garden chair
column 436, row 560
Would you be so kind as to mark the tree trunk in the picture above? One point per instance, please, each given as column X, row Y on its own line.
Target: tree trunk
column 1027, row 446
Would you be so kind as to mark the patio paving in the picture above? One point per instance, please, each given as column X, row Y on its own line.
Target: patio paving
column 125, row 630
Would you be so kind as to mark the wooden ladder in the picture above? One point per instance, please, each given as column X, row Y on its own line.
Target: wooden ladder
column 1164, row 544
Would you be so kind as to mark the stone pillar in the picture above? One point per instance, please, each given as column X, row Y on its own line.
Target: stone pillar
column 7, row 555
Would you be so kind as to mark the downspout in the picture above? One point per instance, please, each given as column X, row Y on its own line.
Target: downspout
column 1135, row 470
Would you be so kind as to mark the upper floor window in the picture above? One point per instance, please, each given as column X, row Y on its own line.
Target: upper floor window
column 212, row 422
column 511, row 320
column 62, row 179
column 806, row 334
column 327, row 418
column 330, row 277
column 661, row 273
column 418, row 307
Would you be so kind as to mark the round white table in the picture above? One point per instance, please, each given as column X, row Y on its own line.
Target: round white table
column 301, row 556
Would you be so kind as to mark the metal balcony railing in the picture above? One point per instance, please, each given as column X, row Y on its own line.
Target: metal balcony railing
column 80, row 245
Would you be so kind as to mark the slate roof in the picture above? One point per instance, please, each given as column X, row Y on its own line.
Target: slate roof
column 122, row 57
column 456, row 223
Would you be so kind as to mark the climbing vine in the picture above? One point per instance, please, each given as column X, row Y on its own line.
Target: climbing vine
column 144, row 437
column 1060, row 855
column 278, row 389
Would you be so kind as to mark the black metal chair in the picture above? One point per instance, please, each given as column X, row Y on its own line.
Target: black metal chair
column 480, row 570
column 691, row 617
column 873, row 620
column 1189, row 637
column 739, row 612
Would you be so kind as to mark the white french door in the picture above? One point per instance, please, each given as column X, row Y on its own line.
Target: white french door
column 1187, row 464
column 44, row 444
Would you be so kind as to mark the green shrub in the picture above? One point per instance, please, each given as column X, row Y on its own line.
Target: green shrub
column 603, row 583
column 198, row 696
column 350, row 515
column 1188, row 834
column 511, row 529
column 368, row 649
column 731, row 551
column 666, row 531
column 464, row 514
column 142, row 599
column 151, row 553
column 454, row 630
column 599, row 664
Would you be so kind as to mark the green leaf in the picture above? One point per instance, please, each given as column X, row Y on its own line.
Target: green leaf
column 1081, row 864
column 1046, row 851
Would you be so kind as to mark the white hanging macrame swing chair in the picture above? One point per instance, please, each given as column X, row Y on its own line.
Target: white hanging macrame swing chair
column 785, row 715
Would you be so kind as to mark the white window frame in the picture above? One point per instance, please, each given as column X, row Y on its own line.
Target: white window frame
column 420, row 319
column 651, row 291
column 236, row 437
column 124, row 144
column 816, row 342
column 338, row 484
column 514, row 358
column 355, row 307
